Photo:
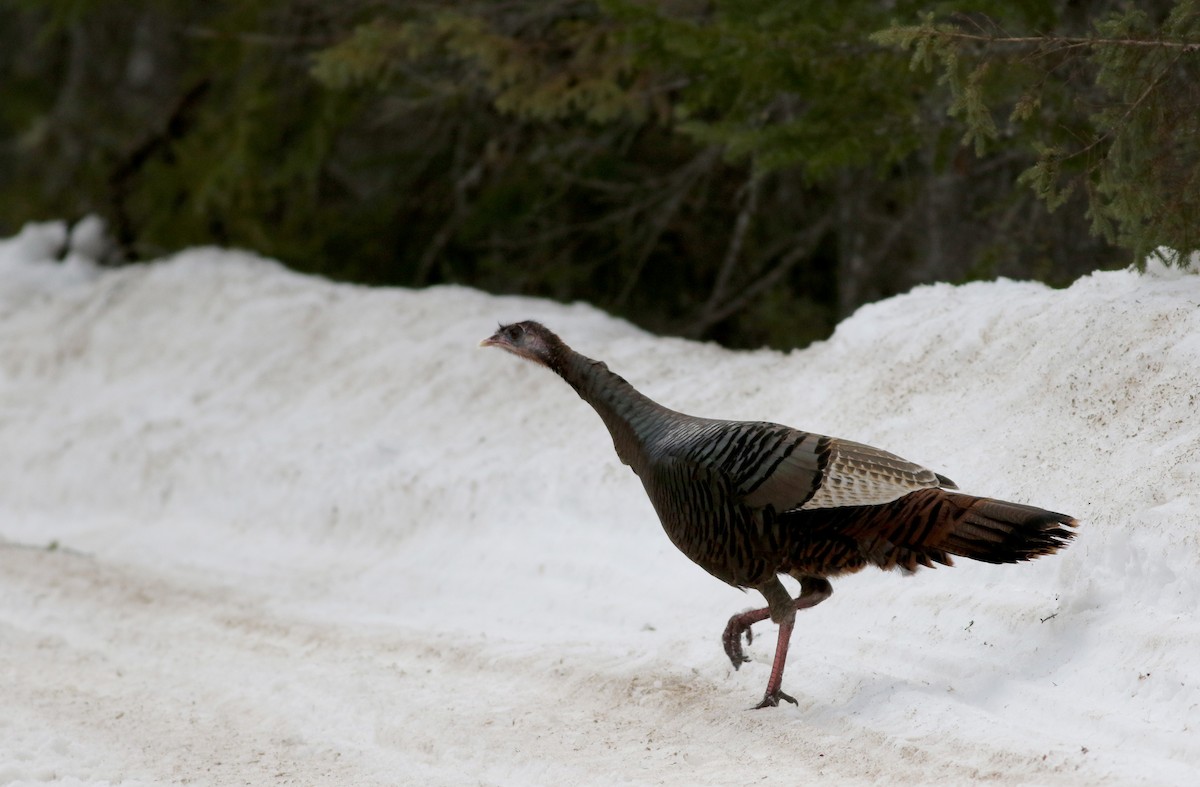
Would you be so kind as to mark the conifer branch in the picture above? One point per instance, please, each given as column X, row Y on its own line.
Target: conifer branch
column 1061, row 42
column 256, row 39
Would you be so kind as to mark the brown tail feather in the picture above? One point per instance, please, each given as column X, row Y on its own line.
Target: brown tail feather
column 996, row 531
column 925, row 527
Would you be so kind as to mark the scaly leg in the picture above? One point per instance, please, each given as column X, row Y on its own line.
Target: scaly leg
column 774, row 692
column 782, row 609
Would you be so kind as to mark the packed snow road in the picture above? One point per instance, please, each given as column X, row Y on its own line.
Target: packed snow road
column 259, row 528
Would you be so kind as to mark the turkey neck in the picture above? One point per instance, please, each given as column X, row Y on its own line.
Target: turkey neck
column 632, row 418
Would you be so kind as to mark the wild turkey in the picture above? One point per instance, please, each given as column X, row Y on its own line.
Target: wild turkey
column 748, row 501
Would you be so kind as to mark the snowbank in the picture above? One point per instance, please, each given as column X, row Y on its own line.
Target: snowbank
column 259, row 527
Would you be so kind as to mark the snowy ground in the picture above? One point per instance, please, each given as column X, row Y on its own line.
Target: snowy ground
column 259, row 528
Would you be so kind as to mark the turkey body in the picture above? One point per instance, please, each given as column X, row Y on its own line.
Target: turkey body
column 750, row 501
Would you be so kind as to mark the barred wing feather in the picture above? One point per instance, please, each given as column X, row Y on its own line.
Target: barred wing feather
column 773, row 465
column 859, row 475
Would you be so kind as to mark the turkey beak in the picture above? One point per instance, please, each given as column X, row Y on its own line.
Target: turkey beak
column 491, row 341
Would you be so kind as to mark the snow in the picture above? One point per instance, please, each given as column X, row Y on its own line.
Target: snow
column 260, row 528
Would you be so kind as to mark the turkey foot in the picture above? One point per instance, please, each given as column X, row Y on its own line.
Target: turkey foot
column 732, row 638
column 772, row 700
column 813, row 590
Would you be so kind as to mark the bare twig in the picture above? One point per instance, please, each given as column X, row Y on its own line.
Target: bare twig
column 1069, row 42
column 256, row 39
column 461, row 182
column 802, row 247
column 679, row 189
column 158, row 143
column 1154, row 83
column 733, row 251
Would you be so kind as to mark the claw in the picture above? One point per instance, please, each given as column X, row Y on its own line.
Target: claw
column 732, row 641
column 772, row 700
column 732, row 638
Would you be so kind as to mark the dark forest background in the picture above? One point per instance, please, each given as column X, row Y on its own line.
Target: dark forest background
column 748, row 172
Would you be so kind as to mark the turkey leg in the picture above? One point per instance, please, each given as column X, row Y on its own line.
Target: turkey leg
column 782, row 609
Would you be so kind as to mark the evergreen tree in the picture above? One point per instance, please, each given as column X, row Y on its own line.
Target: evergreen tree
column 1112, row 112
column 748, row 171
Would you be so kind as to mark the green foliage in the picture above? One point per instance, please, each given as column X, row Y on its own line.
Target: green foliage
column 229, row 149
column 370, row 55
column 788, row 85
column 1109, row 113
column 1148, row 186
column 572, row 68
column 742, row 170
